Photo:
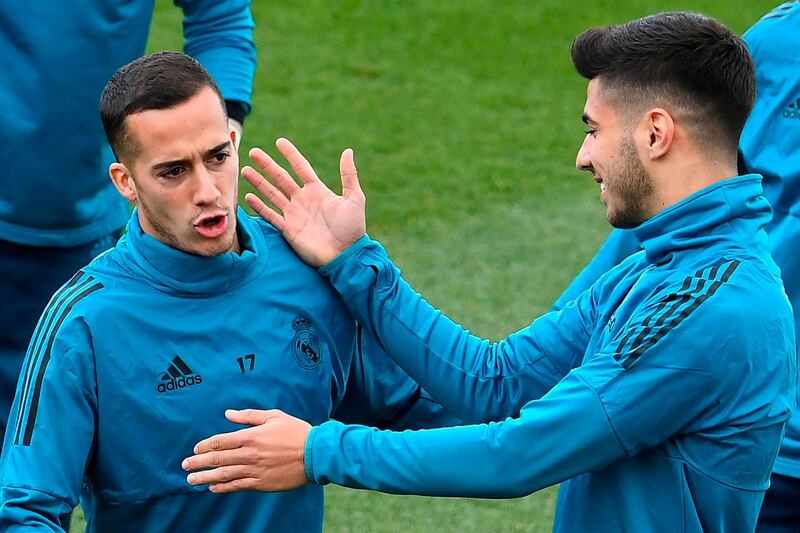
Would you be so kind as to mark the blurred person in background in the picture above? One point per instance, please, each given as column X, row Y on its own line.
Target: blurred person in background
column 58, row 209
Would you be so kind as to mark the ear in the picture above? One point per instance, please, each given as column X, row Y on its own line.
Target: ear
column 123, row 181
column 659, row 129
column 236, row 132
column 234, row 138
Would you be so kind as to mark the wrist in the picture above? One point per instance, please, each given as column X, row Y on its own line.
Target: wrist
column 343, row 255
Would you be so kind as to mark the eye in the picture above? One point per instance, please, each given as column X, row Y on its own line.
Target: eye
column 591, row 132
column 172, row 172
column 220, row 157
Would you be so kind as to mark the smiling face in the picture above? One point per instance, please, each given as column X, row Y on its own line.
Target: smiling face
column 609, row 153
column 183, row 175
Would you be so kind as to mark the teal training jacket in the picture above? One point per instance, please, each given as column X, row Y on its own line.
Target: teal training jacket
column 658, row 396
column 136, row 359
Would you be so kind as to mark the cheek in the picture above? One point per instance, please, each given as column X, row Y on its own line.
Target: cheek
column 230, row 180
column 604, row 156
column 166, row 205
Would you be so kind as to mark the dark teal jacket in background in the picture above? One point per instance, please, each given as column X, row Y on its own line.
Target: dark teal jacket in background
column 136, row 359
column 55, row 58
column 658, row 396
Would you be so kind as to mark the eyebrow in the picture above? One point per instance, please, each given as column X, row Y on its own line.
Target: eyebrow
column 586, row 119
column 178, row 162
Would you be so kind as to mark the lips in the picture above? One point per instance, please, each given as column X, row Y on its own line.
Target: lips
column 212, row 226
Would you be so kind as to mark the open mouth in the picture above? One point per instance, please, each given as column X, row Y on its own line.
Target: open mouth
column 211, row 221
column 212, row 227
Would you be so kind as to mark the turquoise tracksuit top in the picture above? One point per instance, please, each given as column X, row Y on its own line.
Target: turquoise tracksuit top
column 136, row 359
column 770, row 146
column 55, row 58
column 658, row 396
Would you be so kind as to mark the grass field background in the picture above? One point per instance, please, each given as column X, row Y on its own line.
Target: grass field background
column 465, row 120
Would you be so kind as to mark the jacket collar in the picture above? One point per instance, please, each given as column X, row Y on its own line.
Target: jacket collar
column 180, row 272
column 732, row 210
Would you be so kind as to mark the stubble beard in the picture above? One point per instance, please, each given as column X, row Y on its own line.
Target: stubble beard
column 632, row 185
column 169, row 238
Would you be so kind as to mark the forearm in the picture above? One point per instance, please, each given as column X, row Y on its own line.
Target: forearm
column 379, row 394
column 220, row 36
column 474, row 379
column 24, row 509
column 554, row 439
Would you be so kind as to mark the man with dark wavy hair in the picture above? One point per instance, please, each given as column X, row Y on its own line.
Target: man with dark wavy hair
column 658, row 397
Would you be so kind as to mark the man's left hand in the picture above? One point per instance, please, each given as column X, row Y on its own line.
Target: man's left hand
column 267, row 457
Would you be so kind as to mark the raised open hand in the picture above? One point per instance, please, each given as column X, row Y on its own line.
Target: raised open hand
column 315, row 221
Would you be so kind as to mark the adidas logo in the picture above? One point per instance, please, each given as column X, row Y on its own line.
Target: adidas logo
column 792, row 110
column 178, row 376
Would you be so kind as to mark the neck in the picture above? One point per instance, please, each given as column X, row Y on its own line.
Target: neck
column 236, row 248
column 684, row 175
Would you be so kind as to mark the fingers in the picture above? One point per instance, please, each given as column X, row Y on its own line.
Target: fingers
column 222, row 474
column 253, row 417
column 351, row 187
column 269, row 191
column 245, row 483
column 300, row 164
column 264, row 211
column 282, row 179
column 223, row 441
column 217, row 458
column 237, row 439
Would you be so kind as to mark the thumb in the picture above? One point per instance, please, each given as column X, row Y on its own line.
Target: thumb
column 251, row 417
column 351, row 187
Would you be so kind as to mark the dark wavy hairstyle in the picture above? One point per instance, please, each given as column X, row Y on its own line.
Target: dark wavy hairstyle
column 158, row 81
column 687, row 63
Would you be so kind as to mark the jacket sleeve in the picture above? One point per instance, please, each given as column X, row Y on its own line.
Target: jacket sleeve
column 619, row 245
column 51, row 428
column 632, row 395
column 219, row 34
column 474, row 379
column 378, row 393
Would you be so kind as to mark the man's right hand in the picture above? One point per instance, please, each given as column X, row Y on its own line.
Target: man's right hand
column 315, row 221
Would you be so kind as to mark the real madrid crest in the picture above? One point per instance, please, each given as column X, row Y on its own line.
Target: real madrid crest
column 305, row 345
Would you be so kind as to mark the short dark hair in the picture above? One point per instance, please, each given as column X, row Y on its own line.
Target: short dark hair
column 688, row 60
column 158, row 81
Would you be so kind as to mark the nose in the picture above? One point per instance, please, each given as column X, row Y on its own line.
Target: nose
column 583, row 161
column 206, row 191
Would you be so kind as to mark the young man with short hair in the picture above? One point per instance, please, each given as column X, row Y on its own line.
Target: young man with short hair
column 770, row 146
column 198, row 308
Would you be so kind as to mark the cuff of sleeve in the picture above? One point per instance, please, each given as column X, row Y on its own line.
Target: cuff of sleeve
column 317, row 458
column 237, row 110
column 308, row 455
column 338, row 262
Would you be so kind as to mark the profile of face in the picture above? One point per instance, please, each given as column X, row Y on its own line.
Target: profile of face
column 183, row 175
column 609, row 153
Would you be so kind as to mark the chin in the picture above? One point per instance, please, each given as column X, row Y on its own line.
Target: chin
column 624, row 220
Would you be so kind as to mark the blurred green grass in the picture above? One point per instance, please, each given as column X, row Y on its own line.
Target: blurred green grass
column 465, row 119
